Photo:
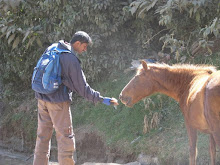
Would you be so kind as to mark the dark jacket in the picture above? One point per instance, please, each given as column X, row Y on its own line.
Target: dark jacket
column 73, row 80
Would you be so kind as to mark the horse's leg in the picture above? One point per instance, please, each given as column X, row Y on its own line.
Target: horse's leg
column 192, row 134
column 212, row 149
column 214, row 140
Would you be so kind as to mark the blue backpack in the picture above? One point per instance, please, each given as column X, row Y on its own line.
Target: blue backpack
column 46, row 77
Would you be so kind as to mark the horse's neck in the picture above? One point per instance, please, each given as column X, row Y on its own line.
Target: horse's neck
column 171, row 82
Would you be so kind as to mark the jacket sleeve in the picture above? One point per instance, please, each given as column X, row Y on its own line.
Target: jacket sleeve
column 75, row 80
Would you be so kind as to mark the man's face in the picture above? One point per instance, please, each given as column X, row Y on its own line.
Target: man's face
column 80, row 47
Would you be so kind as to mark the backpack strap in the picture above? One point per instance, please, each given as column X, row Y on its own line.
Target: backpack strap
column 59, row 51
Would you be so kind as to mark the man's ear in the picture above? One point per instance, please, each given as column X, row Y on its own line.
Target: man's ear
column 77, row 43
column 144, row 64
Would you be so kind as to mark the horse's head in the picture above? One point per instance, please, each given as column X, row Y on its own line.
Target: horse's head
column 139, row 87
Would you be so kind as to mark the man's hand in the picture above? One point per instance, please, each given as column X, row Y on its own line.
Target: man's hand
column 114, row 101
column 110, row 101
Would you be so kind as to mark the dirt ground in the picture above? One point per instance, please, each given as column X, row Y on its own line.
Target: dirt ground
column 15, row 158
column 90, row 147
column 9, row 158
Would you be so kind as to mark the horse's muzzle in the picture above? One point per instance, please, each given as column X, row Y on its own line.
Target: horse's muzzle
column 125, row 100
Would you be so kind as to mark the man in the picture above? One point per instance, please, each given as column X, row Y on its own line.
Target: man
column 54, row 109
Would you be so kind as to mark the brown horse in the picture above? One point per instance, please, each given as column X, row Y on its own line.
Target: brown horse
column 196, row 88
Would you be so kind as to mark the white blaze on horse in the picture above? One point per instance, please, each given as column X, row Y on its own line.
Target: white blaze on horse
column 196, row 88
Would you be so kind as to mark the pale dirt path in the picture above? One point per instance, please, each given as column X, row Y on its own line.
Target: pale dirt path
column 9, row 158
column 13, row 158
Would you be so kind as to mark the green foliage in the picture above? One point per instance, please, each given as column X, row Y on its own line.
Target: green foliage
column 185, row 21
column 190, row 20
column 28, row 27
column 121, row 31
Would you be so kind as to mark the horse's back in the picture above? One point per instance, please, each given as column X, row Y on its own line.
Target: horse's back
column 212, row 102
column 213, row 81
column 212, row 91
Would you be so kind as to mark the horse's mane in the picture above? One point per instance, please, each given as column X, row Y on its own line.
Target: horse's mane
column 191, row 68
column 195, row 67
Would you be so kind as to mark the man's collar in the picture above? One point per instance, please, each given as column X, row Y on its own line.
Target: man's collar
column 67, row 45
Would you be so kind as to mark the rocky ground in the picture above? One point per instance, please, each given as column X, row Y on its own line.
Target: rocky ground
column 9, row 158
column 14, row 158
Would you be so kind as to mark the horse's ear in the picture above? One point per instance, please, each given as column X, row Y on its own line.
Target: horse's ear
column 144, row 64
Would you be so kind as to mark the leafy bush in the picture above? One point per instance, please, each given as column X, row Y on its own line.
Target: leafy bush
column 28, row 27
column 183, row 21
column 121, row 31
